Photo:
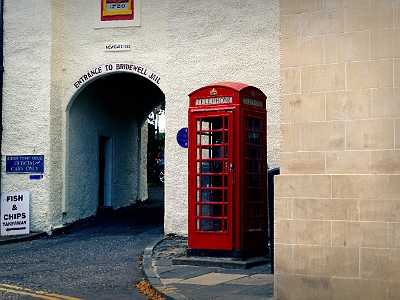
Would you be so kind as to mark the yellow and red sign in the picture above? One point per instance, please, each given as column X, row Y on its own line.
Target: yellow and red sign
column 117, row 10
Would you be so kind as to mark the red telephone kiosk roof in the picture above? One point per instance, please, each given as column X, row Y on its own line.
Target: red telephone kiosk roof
column 228, row 93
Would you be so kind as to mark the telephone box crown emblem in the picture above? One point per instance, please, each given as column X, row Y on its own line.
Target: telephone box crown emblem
column 213, row 92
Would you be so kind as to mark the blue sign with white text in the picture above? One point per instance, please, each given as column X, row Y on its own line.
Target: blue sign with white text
column 25, row 163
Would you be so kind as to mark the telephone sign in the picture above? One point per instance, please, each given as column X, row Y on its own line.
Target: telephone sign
column 15, row 213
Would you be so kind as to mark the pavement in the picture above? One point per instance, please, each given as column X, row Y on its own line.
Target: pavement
column 174, row 276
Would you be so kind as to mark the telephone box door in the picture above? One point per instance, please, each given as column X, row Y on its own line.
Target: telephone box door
column 211, row 197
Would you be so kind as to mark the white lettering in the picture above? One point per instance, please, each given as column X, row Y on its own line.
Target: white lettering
column 252, row 102
column 213, row 101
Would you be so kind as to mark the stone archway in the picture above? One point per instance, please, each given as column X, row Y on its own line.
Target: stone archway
column 104, row 138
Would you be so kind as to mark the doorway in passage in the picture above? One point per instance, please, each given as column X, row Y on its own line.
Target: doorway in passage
column 105, row 168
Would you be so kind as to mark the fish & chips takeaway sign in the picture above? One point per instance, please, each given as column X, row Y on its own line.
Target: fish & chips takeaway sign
column 15, row 213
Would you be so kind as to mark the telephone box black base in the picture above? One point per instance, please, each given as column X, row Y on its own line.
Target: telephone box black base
column 236, row 254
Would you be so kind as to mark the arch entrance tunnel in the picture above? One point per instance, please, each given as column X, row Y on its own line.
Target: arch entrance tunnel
column 107, row 143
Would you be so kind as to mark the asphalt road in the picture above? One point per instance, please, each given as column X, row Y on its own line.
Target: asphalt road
column 96, row 259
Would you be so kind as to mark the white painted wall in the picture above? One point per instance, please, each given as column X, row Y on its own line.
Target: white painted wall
column 83, row 49
column 95, row 114
column 211, row 41
column 26, row 98
column 189, row 43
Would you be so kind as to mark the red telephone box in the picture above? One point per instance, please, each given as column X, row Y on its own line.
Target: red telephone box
column 227, row 171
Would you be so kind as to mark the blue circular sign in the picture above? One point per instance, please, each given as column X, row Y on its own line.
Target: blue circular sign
column 182, row 137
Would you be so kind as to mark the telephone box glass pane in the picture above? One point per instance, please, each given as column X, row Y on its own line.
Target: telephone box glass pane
column 254, row 209
column 253, row 124
column 254, row 224
column 211, row 210
column 253, row 138
column 216, row 137
column 211, row 225
column 205, row 196
column 253, row 152
column 253, row 166
column 198, row 125
column 205, row 153
column 206, row 167
column 253, row 195
column 211, row 181
column 211, row 138
column 211, row 195
column 212, row 123
column 253, row 180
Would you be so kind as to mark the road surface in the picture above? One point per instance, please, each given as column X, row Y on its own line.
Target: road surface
column 96, row 259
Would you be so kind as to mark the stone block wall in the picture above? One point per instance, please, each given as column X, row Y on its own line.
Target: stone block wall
column 337, row 200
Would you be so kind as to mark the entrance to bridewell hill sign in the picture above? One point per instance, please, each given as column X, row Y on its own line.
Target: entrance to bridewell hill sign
column 227, row 171
column 107, row 144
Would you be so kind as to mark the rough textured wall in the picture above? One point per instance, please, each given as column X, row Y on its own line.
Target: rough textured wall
column 337, row 198
column 26, row 99
column 143, row 153
column 212, row 41
column 84, row 45
column 48, row 46
column 95, row 113
column 51, row 44
column 83, row 49
column 56, row 162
